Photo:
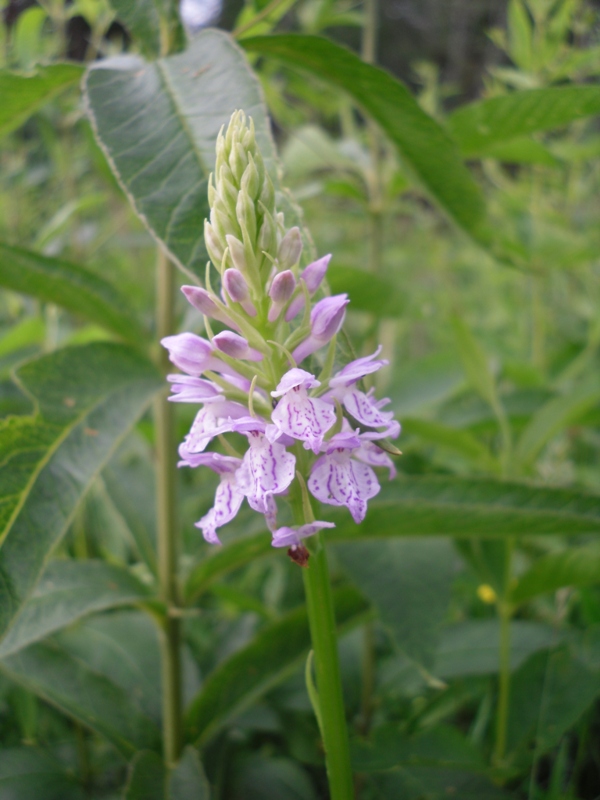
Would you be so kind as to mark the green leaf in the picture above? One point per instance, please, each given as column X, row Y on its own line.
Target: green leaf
column 67, row 591
column 261, row 778
column 23, row 94
column 577, row 566
column 367, row 292
column 473, row 647
column 272, row 655
column 475, row 362
column 436, row 783
column 70, row 286
column 520, row 33
column 147, row 777
column 520, row 150
column 554, row 416
column 548, row 695
column 157, row 124
column 459, row 441
column 64, row 681
column 408, row 582
column 187, row 780
column 423, row 145
column 88, row 398
column 478, row 125
column 27, row 773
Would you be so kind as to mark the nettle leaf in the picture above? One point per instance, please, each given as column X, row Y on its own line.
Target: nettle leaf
column 577, row 566
column 423, row 145
column 88, row 398
column 149, row 778
column 478, row 125
column 50, row 671
column 70, row 286
column 22, row 94
column 67, row 591
column 157, row 124
column 272, row 655
column 27, row 773
column 428, row 506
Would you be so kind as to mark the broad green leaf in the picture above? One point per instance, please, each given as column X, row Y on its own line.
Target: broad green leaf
column 454, row 439
column 554, row 416
column 520, row 33
column 429, row 506
column 64, row 681
column 157, row 124
column 73, row 287
column 367, row 292
column 22, row 94
column 472, row 648
column 147, row 777
column 27, row 773
column 87, row 398
column 67, row 591
column 272, row 655
column 424, row 146
column 408, row 582
column 520, row 150
column 478, row 125
column 548, row 695
column 187, row 780
column 577, row 566
column 389, row 747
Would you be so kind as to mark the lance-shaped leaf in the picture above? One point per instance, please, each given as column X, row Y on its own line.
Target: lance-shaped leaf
column 157, row 124
column 251, row 671
column 478, row 125
column 27, row 773
column 67, row 591
column 577, row 566
column 424, row 146
column 68, row 285
column 64, row 681
column 88, row 398
column 149, row 778
column 23, row 94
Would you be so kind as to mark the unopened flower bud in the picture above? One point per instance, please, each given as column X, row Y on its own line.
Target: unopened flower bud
column 236, row 251
column 238, row 161
column 203, row 301
column 267, row 194
column 236, row 346
column 189, row 352
column 236, row 287
column 313, row 277
column 213, row 244
column 251, row 180
column 246, row 214
column 290, row 249
column 267, row 240
column 280, row 292
column 221, row 223
column 326, row 319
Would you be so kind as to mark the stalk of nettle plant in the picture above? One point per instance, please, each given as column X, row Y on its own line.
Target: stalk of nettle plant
column 308, row 435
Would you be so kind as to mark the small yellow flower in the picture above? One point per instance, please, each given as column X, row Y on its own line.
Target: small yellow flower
column 486, row 593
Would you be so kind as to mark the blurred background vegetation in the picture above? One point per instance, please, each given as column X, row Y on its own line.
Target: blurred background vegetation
column 494, row 373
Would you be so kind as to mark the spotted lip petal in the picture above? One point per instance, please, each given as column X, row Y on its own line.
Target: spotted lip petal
column 288, row 537
column 216, row 417
column 338, row 480
column 366, row 409
column 267, row 469
column 298, row 415
column 228, row 499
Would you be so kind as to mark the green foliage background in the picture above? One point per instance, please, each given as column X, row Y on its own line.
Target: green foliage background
column 468, row 602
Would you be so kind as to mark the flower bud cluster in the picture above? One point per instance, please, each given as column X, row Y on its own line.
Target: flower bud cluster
column 249, row 378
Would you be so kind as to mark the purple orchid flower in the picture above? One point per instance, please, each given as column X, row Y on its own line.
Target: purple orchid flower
column 236, row 346
column 340, row 480
column 298, row 415
column 291, row 537
column 228, row 497
column 187, row 389
column 194, row 355
column 217, row 416
column 313, row 277
column 326, row 318
column 267, row 468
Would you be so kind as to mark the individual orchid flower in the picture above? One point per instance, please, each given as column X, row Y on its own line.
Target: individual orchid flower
column 228, row 497
column 326, row 319
column 292, row 537
column 187, row 389
column 298, row 415
column 338, row 479
column 267, row 468
column 218, row 416
column 312, row 276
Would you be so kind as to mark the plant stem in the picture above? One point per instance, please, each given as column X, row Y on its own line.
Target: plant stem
column 167, row 544
column 322, row 630
column 505, row 614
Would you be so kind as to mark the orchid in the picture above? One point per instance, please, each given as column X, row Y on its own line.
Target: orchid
column 306, row 436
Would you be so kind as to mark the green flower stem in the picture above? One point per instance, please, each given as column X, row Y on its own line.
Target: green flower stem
column 166, row 507
column 324, row 641
column 505, row 614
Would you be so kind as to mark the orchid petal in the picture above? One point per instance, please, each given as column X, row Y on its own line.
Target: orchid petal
column 228, row 499
column 288, row 537
column 338, row 480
